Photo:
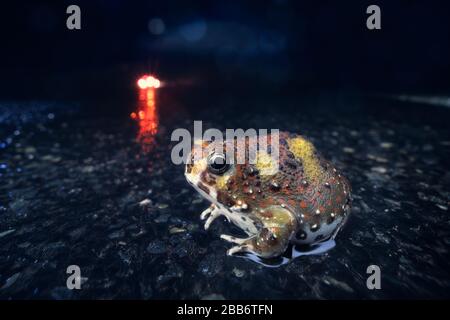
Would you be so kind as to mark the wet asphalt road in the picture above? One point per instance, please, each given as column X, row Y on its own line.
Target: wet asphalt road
column 81, row 188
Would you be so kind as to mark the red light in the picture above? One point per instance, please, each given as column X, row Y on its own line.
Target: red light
column 148, row 82
column 142, row 83
column 152, row 82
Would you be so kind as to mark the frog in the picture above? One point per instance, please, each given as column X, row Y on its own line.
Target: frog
column 297, row 198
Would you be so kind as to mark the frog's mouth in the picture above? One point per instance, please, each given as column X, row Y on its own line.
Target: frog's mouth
column 192, row 174
column 208, row 193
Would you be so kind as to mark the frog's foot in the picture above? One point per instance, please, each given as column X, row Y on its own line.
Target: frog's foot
column 268, row 243
column 212, row 213
column 243, row 245
column 272, row 239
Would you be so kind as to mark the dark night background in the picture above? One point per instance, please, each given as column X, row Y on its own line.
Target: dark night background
column 292, row 45
column 85, row 180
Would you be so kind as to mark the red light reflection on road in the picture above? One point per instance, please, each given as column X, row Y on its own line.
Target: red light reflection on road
column 147, row 115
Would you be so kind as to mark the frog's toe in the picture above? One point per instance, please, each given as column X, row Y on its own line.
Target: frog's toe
column 206, row 212
column 239, row 249
column 213, row 215
column 243, row 245
column 232, row 239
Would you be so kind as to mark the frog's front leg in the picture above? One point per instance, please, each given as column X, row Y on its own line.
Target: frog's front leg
column 212, row 212
column 272, row 239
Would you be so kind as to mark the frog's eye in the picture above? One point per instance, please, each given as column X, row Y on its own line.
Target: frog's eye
column 217, row 163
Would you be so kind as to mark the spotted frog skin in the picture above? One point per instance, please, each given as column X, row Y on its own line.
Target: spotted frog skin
column 304, row 200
